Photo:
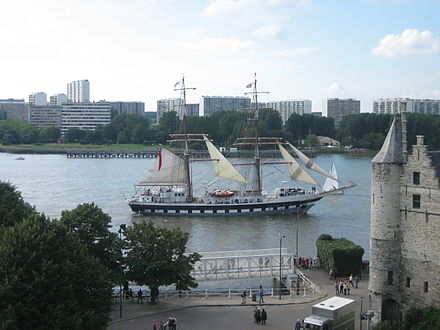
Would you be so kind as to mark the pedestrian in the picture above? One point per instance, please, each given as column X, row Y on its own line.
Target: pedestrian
column 243, row 297
column 263, row 316
column 350, row 280
column 171, row 323
column 255, row 314
column 139, row 296
column 154, row 325
column 161, row 325
column 174, row 323
column 131, row 293
column 349, row 287
column 337, row 288
column 258, row 315
column 330, row 273
column 345, row 288
column 261, row 293
column 298, row 324
column 356, row 280
column 341, row 287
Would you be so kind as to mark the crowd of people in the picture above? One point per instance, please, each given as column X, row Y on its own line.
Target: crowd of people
column 171, row 324
column 343, row 287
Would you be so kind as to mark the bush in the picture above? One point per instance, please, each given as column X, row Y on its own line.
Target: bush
column 422, row 318
column 340, row 254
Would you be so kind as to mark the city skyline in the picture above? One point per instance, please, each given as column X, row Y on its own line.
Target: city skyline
column 300, row 49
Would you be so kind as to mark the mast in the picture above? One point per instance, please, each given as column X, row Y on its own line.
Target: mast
column 186, row 154
column 259, row 184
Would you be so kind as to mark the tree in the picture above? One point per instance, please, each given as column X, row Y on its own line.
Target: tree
column 49, row 281
column 169, row 122
column 92, row 225
column 13, row 209
column 156, row 256
column 49, row 134
column 74, row 135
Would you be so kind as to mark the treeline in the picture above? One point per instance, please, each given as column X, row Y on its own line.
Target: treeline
column 60, row 273
column 366, row 130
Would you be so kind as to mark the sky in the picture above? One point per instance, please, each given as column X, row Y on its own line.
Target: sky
column 136, row 50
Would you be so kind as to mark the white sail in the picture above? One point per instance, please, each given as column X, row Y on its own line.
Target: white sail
column 297, row 173
column 168, row 168
column 310, row 164
column 329, row 183
column 222, row 167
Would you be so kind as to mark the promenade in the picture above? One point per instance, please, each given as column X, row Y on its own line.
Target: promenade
column 229, row 313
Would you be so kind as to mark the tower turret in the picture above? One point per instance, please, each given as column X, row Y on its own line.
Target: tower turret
column 386, row 236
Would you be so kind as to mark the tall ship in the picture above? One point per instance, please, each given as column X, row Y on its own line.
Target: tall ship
column 167, row 189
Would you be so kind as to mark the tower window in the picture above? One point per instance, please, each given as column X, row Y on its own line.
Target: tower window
column 416, row 201
column 408, row 282
column 390, row 277
column 416, row 177
column 425, row 287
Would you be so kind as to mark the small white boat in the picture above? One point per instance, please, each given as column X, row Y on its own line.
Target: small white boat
column 19, row 158
column 331, row 186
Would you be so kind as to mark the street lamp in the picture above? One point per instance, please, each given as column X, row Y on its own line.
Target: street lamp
column 121, row 228
column 281, row 240
column 298, row 214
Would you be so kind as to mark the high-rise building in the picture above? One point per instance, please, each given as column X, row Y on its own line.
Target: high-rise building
column 14, row 109
column 85, row 115
column 165, row 105
column 396, row 105
column 188, row 110
column 57, row 99
column 42, row 116
column 38, row 98
column 127, row 107
column 339, row 108
column 288, row 107
column 211, row 104
column 78, row 91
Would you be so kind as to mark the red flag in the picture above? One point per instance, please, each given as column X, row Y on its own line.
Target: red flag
column 159, row 154
column 249, row 85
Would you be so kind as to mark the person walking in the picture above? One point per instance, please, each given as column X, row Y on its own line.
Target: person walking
column 356, row 281
column 298, row 324
column 261, row 293
column 139, row 296
column 350, row 280
column 337, row 288
column 263, row 316
column 243, row 297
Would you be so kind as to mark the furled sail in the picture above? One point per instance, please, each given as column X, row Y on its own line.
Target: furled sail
column 329, row 183
column 310, row 164
column 297, row 173
column 222, row 167
column 168, row 168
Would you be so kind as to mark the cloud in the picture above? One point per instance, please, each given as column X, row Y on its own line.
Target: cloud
column 217, row 45
column 269, row 31
column 337, row 90
column 409, row 42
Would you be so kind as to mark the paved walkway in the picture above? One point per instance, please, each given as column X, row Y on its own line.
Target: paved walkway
column 166, row 307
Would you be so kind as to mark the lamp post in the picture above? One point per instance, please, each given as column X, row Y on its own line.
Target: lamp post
column 121, row 228
column 298, row 214
column 281, row 240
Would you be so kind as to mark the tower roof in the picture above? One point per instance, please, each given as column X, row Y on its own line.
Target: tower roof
column 391, row 151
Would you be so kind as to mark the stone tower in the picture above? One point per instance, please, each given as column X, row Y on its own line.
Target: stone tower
column 386, row 234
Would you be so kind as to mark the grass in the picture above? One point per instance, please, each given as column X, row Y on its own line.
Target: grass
column 54, row 148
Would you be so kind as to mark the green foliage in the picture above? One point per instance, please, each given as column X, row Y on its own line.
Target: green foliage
column 300, row 126
column 156, row 256
column 49, row 281
column 13, row 209
column 74, row 135
column 422, row 318
column 385, row 325
column 169, row 122
column 92, row 226
column 340, row 254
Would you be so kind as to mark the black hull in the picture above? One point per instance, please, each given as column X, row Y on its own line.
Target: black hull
column 210, row 210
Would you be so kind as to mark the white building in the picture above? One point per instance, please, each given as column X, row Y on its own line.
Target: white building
column 211, row 104
column 38, row 98
column 339, row 108
column 165, row 105
column 85, row 115
column 288, row 107
column 395, row 105
column 132, row 107
column 57, row 99
column 78, row 91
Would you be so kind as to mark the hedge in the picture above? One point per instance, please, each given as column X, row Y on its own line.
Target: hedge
column 340, row 254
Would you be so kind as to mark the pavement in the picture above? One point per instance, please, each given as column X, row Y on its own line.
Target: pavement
column 221, row 312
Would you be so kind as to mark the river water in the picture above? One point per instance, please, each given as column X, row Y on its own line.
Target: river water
column 53, row 183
